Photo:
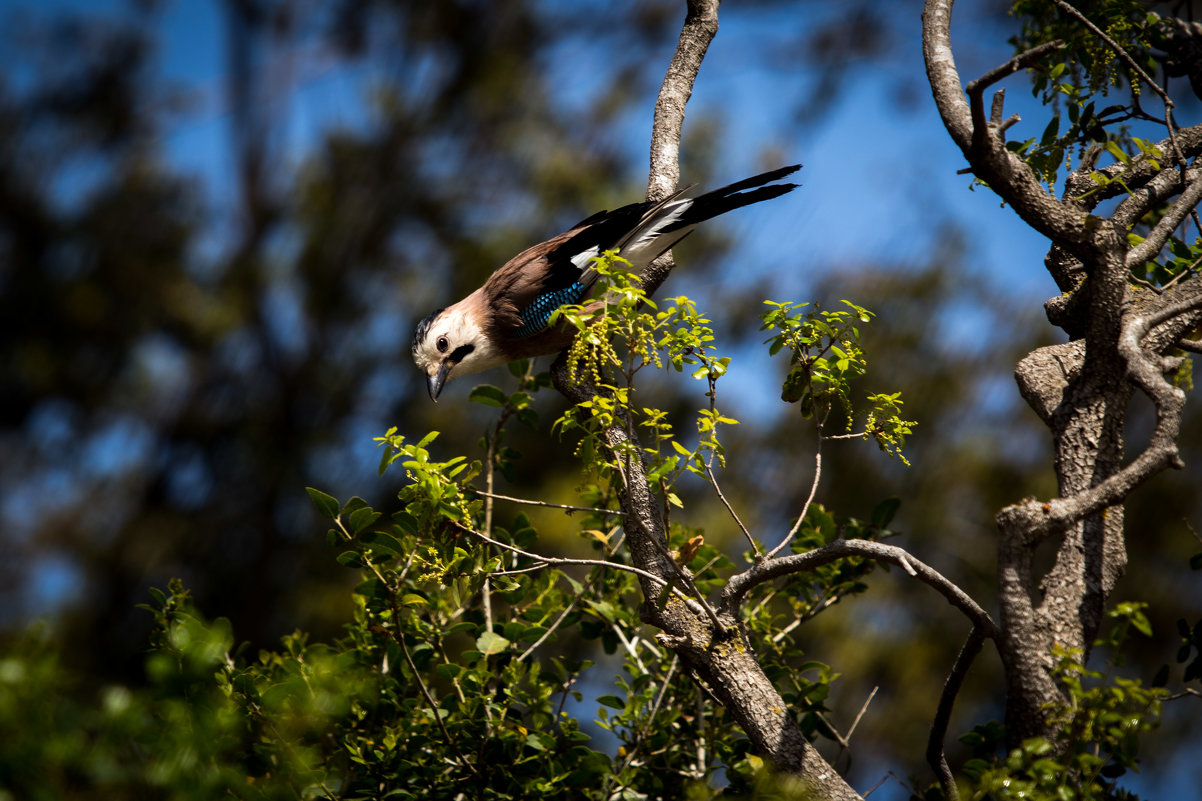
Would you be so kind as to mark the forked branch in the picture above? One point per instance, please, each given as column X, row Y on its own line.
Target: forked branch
column 768, row 570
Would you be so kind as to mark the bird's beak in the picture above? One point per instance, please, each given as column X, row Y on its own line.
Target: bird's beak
column 434, row 382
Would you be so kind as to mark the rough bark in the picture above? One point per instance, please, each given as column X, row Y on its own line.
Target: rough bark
column 1080, row 389
column 699, row 28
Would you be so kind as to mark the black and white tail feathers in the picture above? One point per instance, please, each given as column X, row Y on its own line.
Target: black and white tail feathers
column 645, row 230
column 731, row 197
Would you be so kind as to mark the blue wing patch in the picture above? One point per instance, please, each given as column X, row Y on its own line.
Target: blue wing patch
column 535, row 316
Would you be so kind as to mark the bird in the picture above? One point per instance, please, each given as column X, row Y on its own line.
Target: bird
column 508, row 317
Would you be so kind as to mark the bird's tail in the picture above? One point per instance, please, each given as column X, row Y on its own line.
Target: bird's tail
column 673, row 218
column 731, row 197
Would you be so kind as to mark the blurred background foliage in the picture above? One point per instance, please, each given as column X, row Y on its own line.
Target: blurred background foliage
column 186, row 349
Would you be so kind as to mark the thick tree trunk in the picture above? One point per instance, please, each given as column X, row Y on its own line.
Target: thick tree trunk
column 1080, row 389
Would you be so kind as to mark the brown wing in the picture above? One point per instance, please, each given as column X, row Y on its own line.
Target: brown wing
column 522, row 279
column 524, row 291
column 547, row 269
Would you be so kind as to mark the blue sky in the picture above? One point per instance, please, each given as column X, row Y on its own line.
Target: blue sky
column 866, row 198
column 916, row 159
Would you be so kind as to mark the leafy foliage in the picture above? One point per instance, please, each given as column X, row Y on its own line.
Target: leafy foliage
column 1091, row 66
column 463, row 668
column 470, row 664
column 825, row 357
column 1098, row 729
column 1072, row 80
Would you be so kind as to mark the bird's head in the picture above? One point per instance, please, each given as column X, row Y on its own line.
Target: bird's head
column 452, row 342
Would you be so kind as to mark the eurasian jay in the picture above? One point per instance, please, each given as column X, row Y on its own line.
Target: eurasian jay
column 507, row 318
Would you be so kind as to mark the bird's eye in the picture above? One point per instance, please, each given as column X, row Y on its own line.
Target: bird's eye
column 443, row 344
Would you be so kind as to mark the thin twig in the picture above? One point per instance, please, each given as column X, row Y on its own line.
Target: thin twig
column 863, row 709
column 551, row 629
column 1188, row 271
column 936, row 756
column 839, row 738
column 567, row 609
column 1147, row 79
column 555, row 561
column 659, row 699
column 824, row 602
column 1018, row 62
column 545, row 504
column 714, row 481
column 976, row 89
column 1188, row 691
column 517, row 571
column 804, row 510
column 434, row 708
column 856, row 435
column 1145, row 284
column 709, row 465
column 1117, row 48
column 489, row 477
column 880, row 781
column 629, row 645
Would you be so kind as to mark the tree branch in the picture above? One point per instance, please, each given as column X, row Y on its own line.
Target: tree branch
column 1005, row 173
column 804, row 509
column 768, row 570
column 700, row 27
column 976, row 89
column 548, row 505
column 1159, row 235
column 1038, row 520
column 1140, row 172
column 936, row 757
column 713, row 649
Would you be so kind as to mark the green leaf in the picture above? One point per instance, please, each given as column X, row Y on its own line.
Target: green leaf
column 490, row 643
column 326, row 504
column 487, row 395
column 539, row 741
column 883, row 514
column 362, row 518
column 448, row 671
column 682, row 450
column 372, row 588
column 795, row 385
column 379, row 540
column 353, row 505
column 612, row 701
column 351, row 559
